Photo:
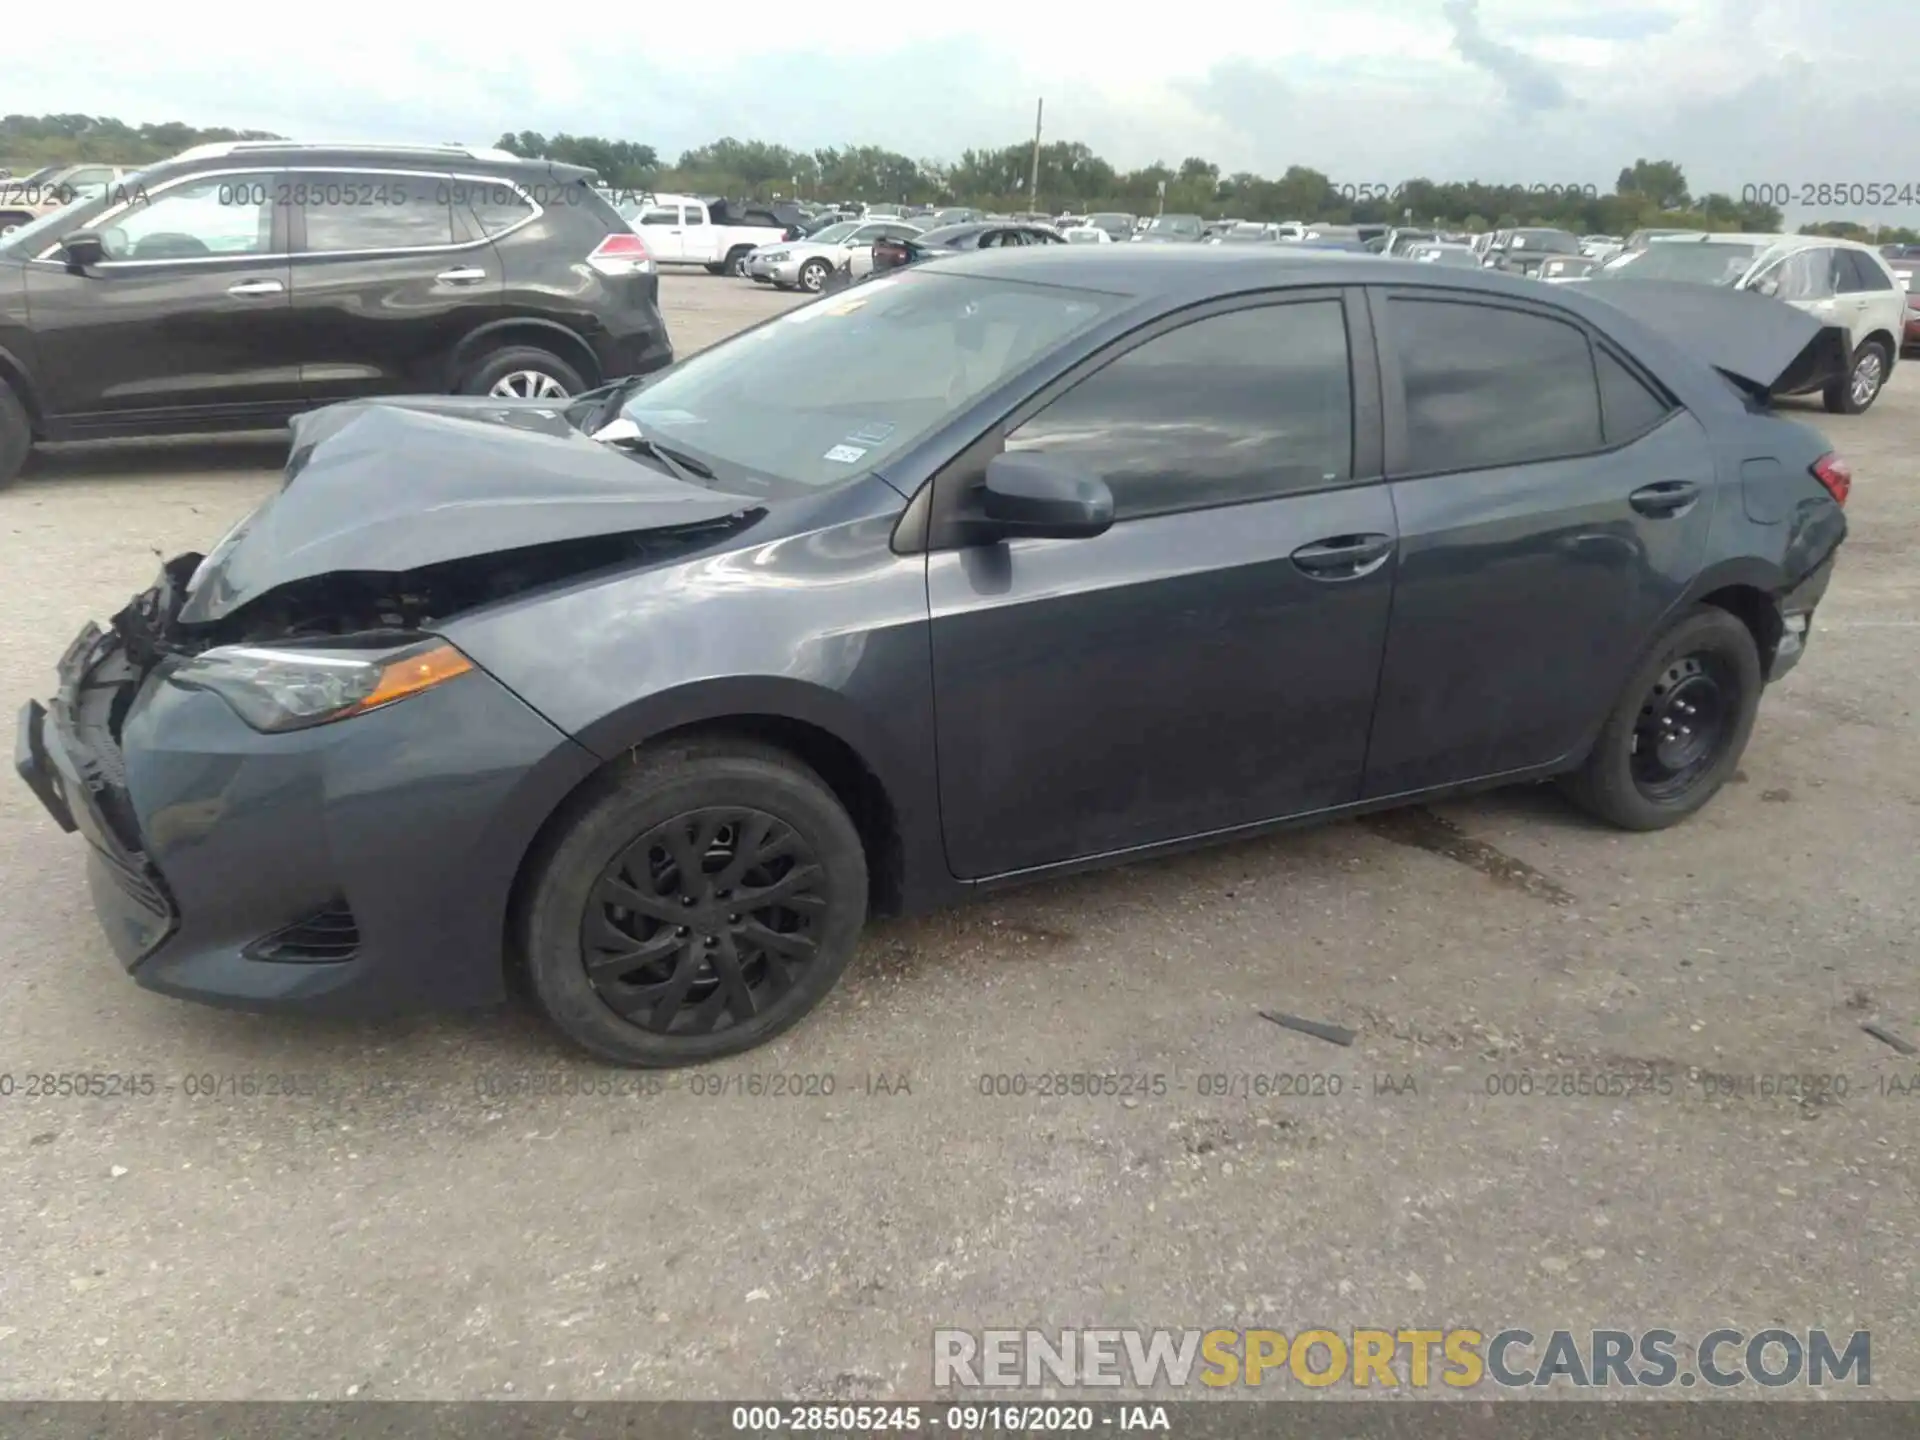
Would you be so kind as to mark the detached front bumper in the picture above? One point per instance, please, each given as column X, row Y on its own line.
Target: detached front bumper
column 361, row 867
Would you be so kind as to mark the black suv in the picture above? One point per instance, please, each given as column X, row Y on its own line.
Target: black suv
column 238, row 284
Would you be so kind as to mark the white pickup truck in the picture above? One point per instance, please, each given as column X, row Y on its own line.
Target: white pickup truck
column 687, row 230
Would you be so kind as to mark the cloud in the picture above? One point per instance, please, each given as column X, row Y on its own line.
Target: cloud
column 1609, row 24
column 1367, row 91
column 1529, row 84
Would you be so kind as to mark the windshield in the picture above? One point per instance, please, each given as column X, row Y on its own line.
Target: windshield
column 1712, row 262
column 946, row 234
column 1248, row 231
column 1553, row 242
column 1176, row 225
column 839, row 230
column 840, row 386
column 36, row 235
column 30, row 239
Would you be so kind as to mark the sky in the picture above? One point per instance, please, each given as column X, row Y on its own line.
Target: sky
column 1740, row 92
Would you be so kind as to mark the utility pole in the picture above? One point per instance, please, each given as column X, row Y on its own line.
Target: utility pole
column 1033, row 183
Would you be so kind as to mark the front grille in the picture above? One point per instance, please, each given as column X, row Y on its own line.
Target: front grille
column 325, row 936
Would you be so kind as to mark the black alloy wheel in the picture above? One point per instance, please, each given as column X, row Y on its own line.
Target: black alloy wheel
column 704, row 921
column 692, row 901
column 1679, row 727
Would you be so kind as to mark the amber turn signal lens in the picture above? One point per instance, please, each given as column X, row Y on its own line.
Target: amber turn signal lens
column 412, row 673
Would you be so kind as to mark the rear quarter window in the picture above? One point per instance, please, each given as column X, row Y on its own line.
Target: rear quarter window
column 499, row 206
column 1629, row 407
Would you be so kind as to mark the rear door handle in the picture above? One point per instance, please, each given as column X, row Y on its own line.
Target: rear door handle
column 1664, row 498
column 467, row 275
column 256, row 287
column 1344, row 557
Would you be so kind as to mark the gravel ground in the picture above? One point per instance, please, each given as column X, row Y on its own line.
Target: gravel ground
column 394, row 1231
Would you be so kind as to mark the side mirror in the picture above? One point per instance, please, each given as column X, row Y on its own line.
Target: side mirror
column 82, row 250
column 1045, row 497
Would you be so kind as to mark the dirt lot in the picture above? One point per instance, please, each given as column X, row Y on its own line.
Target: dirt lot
column 395, row 1230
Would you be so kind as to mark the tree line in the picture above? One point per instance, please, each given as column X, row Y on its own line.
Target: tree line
column 1071, row 177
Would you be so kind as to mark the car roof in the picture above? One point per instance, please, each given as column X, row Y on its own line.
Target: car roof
column 1757, row 237
column 1185, row 275
column 345, row 156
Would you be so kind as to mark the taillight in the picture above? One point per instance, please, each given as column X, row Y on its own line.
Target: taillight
column 621, row 254
column 1834, row 473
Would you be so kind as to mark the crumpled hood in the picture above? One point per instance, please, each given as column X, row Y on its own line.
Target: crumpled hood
column 1765, row 346
column 390, row 486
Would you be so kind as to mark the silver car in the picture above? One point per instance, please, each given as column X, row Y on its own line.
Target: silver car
column 806, row 264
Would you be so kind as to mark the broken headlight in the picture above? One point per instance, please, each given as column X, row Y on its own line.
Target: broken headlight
column 290, row 687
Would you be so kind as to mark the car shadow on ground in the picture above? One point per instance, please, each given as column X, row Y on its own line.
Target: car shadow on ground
column 1021, row 923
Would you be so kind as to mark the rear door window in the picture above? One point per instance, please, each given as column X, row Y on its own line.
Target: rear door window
column 349, row 211
column 1856, row 273
column 1486, row 386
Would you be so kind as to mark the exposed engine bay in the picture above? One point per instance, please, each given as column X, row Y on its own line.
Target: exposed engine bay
column 368, row 602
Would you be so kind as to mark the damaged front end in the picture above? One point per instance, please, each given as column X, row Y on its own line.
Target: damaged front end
column 176, row 798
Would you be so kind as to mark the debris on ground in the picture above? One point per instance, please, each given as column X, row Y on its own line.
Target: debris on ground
column 1320, row 1030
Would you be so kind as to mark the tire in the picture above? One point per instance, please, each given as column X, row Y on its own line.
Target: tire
column 813, row 276
column 1866, row 378
column 728, row 791
column 16, row 434
column 736, row 261
column 1708, row 660
column 506, row 366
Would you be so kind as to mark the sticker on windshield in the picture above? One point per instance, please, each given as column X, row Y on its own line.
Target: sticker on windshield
column 845, row 454
column 876, row 433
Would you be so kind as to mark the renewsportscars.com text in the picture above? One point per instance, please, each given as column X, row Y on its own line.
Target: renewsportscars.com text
column 1391, row 1358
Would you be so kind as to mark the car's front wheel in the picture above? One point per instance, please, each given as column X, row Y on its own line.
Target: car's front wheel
column 522, row 372
column 1864, row 381
column 698, row 901
column 813, row 276
column 1679, row 727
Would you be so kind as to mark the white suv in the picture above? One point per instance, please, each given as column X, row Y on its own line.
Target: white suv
column 1840, row 282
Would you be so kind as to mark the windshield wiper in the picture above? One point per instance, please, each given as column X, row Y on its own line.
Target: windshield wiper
column 623, row 434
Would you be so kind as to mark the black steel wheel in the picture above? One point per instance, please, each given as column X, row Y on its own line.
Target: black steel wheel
column 1679, row 727
column 693, row 903
column 1683, row 725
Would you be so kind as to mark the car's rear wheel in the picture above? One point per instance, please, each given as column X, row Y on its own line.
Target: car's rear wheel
column 813, row 276
column 1865, row 380
column 737, row 259
column 700, row 900
column 1679, row 727
column 522, row 372
column 16, row 434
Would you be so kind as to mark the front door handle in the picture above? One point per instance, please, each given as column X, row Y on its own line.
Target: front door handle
column 1344, row 557
column 467, row 275
column 1664, row 498
column 257, row 287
